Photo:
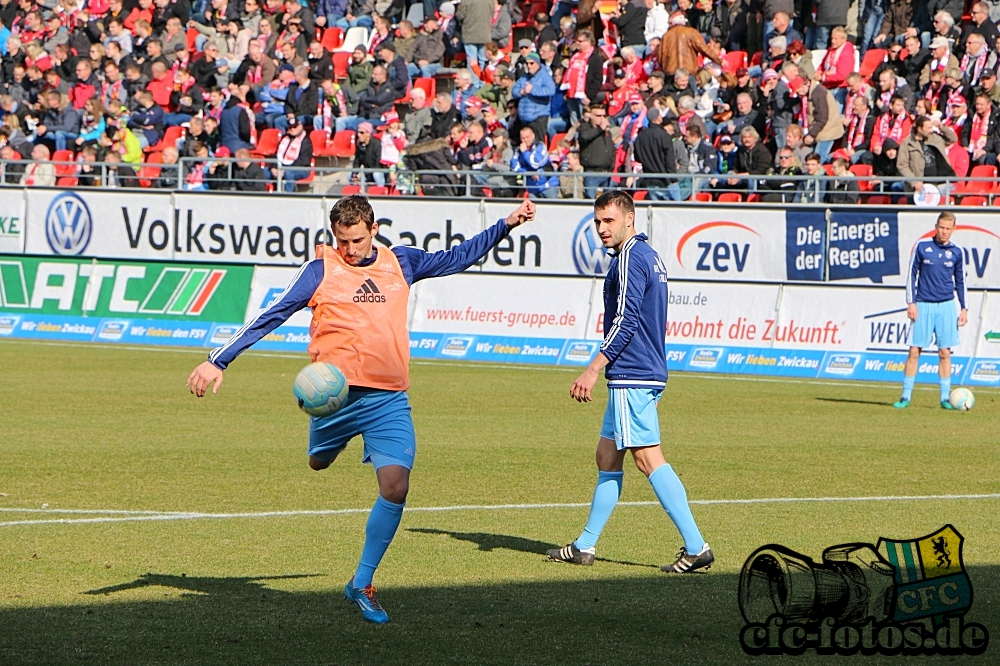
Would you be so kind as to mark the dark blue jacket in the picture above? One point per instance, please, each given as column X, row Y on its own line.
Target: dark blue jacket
column 234, row 127
column 415, row 263
column 635, row 317
column 151, row 116
column 937, row 272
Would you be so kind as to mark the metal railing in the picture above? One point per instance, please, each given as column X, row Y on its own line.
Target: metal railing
column 475, row 184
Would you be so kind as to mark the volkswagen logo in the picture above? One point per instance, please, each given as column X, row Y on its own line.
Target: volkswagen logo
column 589, row 254
column 68, row 225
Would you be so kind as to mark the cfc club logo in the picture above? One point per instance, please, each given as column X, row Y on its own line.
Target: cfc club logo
column 68, row 224
column 369, row 293
column 589, row 254
column 897, row 597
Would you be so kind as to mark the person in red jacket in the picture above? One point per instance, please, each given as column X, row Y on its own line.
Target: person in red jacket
column 86, row 84
column 161, row 84
column 837, row 65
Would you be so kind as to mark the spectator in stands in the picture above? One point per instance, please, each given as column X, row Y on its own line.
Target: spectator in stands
column 531, row 160
column 320, row 63
column 186, row 99
column 782, row 186
column 584, row 76
column 40, row 173
column 830, row 14
column 822, row 114
column 295, row 152
column 359, row 71
column 329, row 12
column 533, row 93
column 782, row 27
column 545, row 30
column 917, row 59
column 475, row 18
column 942, row 59
column 630, row 19
column 118, row 34
column 256, row 70
column 981, row 133
column 753, row 157
column 843, row 189
column 123, row 142
column 794, row 142
column 982, row 24
column 86, row 85
column 301, row 101
column 729, row 24
column 92, row 123
column 196, row 178
column 858, row 141
column 148, row 120
column 777, row 52
column 837, row 64
column 813, row 190
column 443, row 116
column 60, row 123
column 418, row 121
column 378, row 97
column 884, row 166
column 653, row 148
column 782, row 101
column 399, row 79
column 701, row 157
column 977, row 59
column 368, row 154
column 173, row 36
column 889, row 86
column 796, row 53
column 247, row 175
column 206, row 70
column 987, row 84
column 924, row 155
column 894, row 124
column 426, row 54
column 466, row 86
column 169, row 177
column 681, row 46
column 236, row 125
column 898, row 22
column 473, row 148
column 597, row 149
column 894, row 61
column 87, row 175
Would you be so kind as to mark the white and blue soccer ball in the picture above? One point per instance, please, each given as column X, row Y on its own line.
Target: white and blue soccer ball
column 320, row 389
column 962, row 399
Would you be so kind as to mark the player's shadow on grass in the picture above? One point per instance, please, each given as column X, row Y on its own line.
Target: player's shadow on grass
column 852, row 401
column 489, row 542
column 204, row 585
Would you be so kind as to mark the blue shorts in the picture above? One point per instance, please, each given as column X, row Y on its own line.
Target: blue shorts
column 630, row 418
column 382, row 418
column 935, row 320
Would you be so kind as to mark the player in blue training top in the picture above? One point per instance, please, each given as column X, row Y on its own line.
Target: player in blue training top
column 634, row 359
column 937, row 273
column 358, row 296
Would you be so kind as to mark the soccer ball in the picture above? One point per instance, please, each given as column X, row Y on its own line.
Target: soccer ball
column 962, row 398
column 320, row 389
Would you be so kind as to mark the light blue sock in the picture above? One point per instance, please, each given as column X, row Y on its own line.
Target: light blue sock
column 382, row 523
column 945, row 389
column 609, row 488
column 670, row 491
column 908, row 383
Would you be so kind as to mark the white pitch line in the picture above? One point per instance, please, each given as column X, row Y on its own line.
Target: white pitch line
column 150, row 516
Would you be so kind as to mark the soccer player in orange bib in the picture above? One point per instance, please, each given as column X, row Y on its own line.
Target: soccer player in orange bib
column 358, row 294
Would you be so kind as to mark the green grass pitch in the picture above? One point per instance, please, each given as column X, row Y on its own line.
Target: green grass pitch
column 106, row 428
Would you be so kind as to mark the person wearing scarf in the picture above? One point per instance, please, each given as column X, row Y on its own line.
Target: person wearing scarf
column 981, row 133
column 895, row 125
column 977, row 58
column 295, row 152
column 859, row 132
column 959, row 115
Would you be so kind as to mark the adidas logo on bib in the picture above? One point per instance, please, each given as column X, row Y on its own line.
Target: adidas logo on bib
column 369, row 293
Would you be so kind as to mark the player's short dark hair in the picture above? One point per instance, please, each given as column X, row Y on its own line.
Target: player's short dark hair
column 351, row 211
column 814, row 157
column 620, row 199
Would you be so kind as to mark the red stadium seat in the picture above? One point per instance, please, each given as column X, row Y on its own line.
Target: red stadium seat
column 730, row 197
column 428, row 84
column 756, row 58
column 342, row 144
column 702, row 196
column 639, row 195
column 68, row 181
column 332, row 38
column 958, row 157
column 733, row 60
column 754, row 198
column 554, row 143
column 149, row 170
column 377, row 191
column 879, row 200
column 973, row 201
column 191, row 36
column 341, row 59
column 348, row 190
column 64, row 169
column 863, row 171
column 319, row 139
column 873, row 58
column 169, row 138
column 267, row 143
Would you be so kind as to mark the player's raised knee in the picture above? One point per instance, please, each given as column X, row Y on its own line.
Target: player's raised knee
column 317, row 464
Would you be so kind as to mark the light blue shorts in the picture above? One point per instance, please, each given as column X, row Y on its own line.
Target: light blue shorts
column 630, row 418
column 383, row 420
column 935, row 320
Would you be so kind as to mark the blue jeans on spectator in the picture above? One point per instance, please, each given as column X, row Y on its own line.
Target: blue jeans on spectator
column 347, row 123
column 575, row 108
column 592, row 183
column 557, row 125
column 872, row 26
column 358, row 22
column 281, row 122
column 333, row 19
column 823, row 148
column 549, row 193
column 288, row 178
column 61, row 138
column 175, row 119
column 820, row 37
column 561, row 9
column 427, row 71
column 475, row 53
column 839, row 94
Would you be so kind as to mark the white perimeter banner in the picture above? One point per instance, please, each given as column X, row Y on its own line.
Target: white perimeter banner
column 978, row 234
column 498, row 305
column 12, row 222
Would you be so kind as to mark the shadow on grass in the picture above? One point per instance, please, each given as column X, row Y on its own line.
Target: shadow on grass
column 489, row 542
column 851, row 401
column 583, row 618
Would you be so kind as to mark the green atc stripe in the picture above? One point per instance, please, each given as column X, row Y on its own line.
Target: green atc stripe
column 192, row 292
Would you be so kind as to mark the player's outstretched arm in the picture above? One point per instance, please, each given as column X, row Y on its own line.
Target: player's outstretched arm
column 202, row 377
column 584, row 384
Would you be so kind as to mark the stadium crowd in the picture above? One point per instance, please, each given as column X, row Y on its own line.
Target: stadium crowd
column 773, row 100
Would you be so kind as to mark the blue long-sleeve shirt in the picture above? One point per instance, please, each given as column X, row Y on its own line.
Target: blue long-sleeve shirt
column 534, row 162
column 415, row 263
column 635, row 317
column 937, row 273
